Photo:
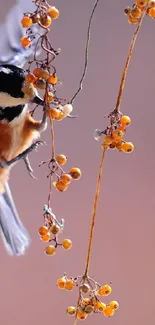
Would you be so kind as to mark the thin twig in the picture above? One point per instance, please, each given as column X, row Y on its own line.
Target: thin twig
column 53, row 139
column 86, row 53
column 122, row 84
column 94, row 213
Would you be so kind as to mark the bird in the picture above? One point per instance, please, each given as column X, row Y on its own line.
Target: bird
column 18, row 129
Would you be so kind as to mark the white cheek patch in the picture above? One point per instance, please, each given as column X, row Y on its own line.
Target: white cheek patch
column 7, row 100
column 5, row 70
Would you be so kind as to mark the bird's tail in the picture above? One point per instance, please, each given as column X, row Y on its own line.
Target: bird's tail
column 15, row 237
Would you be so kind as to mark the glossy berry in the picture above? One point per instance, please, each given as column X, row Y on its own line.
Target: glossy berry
column 53, row 79
column 132, row 20
column 26, row 21
column 54, row 229
column 43, row 230
column 61, row 283
column 25, row 41
column 119, row 146
column 66, row 178
column 89, row 309
column 108, row 139
column 136, row 12
column 50, row 250
column 108, row 312
column 61, row 116
column 86, row 301
column 99, row 305
column 117, row 135
column 81, row 315
column 53, row 12
column 104, row 290
column 61, row 159
column 40, row 83
column 70, row 285
column 53, row 113
column 85, row 288
column 127, row 147
column 61, row 186
column 75, row 173
column 67, row 244
column 125, row 120
column 151, row 3
column 151, row 12
column 49, row 97
column 71, row 310
column 44, row 74
column 141, row 3
column 114, row 305
column 37, row 72
column 46, row 237
column 46, row 21
column 30, row 78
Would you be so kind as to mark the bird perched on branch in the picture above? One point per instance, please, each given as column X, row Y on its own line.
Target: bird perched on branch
column 18, row 129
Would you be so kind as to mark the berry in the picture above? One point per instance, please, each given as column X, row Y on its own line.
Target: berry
column 66, row 178
column 85, row 288
column 25, row 41
column 119, row 146
column 53, row 12
column 61, row 186
column 86, row 301
column 61, row 159
column 46, row 237
column 81, row 315
column 26, row 21
column 40, row 84
column 66, row 244
column 61, row 283
column 52, row 79
column 89, row 309
column 44, row 74
column 53, row 113
column 50, row 250
column 136, row 12
column 69, row 285
column 117, row 135
column 60, row 117
column 114, row 305
column 132, row 20
column 54, row 229
column 125, row 120
column 46, row 21
column 67, row 109
column 43, row 230
column 108, row 139
column 30, row 78
column 127, row 11
column 151, row 3
column 49, row 97
column 141, row 3
column 108, row 311
column 37, row 72
column 104, row 290
column 99, row 305
column 127, row 147
column 75, row 173
column 151, row 12
column 71, row 310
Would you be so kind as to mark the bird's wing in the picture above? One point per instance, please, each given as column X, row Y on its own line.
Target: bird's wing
column 11, row 31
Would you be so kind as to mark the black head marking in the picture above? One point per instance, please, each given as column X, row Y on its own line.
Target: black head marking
column 11, row 80
column 10, row 113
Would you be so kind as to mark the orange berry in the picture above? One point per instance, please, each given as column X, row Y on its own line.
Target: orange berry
column 75, row 173
column 136, row 12
column 61, row 159
column 46, row 21
column 61, row 116
column 66, row 178
column 43, row 230
column 119, row 146
column 44, row 74
column 30, row 78
column 81, row 315
column 37, row 72
column 54, row 229
column 108, row 311
column 127, row 147
column 26, row 21
column 141, row 3
column 99, row 305
column 151, row 12
column 114, row 305
column 25, row 41
column 61, row 186
column 53, row 113
column 117, row 135
column 121, row 128
column 53, row 12
column 40, row 83
column 151, row 3
column 104, row 290
column 125, row 120
column 69, row 285
column 67, row 244
column 49, row 97
column 46, row 237
column 71, row 310
column 108, row 139
column 86, row 301
column 89, row 309
column 53, row 79
column 61, row 283
column 50, row 250
column 132, row 20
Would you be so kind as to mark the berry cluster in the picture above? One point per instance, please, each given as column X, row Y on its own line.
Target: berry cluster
column 50, row 230
column 90, row 304
column 113, row 135
column 135, row 12
column 42, row 16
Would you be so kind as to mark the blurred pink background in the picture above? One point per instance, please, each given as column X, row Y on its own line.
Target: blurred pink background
column 124, row 239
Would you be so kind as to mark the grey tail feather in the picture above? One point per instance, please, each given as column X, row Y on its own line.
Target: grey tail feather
column 15, row 237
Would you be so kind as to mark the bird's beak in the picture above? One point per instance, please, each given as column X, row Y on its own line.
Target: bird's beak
column 37, row 100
